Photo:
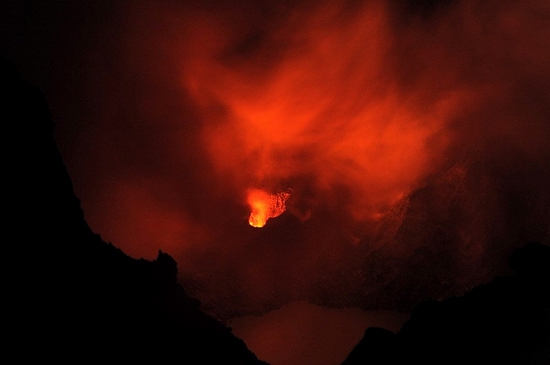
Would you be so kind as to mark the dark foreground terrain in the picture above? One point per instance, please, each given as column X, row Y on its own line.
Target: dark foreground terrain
column 68, row 296
column 506, row 321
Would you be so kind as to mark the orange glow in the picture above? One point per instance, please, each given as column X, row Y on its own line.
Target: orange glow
column 330, row 109
column 400, row 133
column 264, row 206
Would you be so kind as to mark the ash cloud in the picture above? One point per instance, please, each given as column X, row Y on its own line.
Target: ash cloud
column 414, row 136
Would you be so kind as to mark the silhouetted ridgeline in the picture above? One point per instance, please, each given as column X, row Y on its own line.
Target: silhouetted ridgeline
column 68, row 296
column 504, row 322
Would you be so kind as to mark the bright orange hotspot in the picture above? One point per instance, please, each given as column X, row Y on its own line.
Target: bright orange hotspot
column 264, row 205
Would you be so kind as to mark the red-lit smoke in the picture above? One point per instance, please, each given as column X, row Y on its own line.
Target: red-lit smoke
column 414, row 139
column 324, row 105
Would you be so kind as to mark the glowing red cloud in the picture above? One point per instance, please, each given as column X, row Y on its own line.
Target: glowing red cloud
column 328, row 109
column 416, row 147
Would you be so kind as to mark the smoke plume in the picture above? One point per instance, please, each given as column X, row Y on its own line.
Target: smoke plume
column 414, row 136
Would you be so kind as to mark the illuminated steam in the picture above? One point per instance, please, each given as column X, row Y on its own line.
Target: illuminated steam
column 328, row 109
column 415, row 142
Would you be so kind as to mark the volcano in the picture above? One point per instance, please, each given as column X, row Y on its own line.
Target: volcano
column 364, row 155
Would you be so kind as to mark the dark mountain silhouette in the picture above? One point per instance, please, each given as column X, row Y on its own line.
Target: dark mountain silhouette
column 506, row 321
column 68, row 296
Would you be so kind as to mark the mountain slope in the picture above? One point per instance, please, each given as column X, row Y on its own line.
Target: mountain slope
column 506, row 321
column 69, row 296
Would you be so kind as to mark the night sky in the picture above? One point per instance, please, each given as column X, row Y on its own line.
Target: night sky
column 412, row 137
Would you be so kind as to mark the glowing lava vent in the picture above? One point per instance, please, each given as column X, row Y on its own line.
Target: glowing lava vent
column 264, row 205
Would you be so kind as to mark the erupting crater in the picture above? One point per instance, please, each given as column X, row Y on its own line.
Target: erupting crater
column 264, row 205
